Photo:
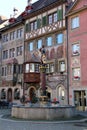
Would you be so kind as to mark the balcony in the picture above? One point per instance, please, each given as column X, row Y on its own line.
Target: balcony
column 31, row 77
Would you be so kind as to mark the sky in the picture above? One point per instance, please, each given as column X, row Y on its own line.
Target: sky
column 6, row 6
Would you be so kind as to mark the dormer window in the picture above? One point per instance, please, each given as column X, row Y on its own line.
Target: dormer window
column 24, row 14
column 28, row 8
column 12, row 20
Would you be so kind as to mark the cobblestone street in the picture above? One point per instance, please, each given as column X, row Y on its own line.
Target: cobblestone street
column 8, row 124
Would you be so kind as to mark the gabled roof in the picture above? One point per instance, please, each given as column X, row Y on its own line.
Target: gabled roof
column 72, row 6
column 77, row 6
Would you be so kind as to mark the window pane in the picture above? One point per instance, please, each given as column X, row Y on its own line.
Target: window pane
column 50, row 19
column 39, row 44
column 51, row 68
column 31, row 46
column 49, row 41
column 75, row 22
column 47, row 68
column 55, row 17
column 32, row 68
column 36, row 67
column 35, row 25
column 59, row 38
column 31, row 26
column 27, row 68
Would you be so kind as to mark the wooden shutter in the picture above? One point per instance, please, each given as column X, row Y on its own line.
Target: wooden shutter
column 27, row 27
column 60, row 14
column 44, row 20
column 38, row 23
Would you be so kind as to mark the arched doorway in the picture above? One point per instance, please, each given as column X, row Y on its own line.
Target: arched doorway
column 9, row 95
column 61, row 94
column 32, row 94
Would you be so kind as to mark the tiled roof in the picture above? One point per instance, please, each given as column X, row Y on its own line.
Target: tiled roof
column 41, row 4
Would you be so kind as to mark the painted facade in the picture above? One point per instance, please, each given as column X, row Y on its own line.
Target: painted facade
column 77, row 54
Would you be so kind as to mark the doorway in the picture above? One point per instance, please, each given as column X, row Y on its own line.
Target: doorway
column 80, row 100
column 9, row 95
column 32, row 94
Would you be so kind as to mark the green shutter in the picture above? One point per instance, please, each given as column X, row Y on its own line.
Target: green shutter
column 44, row 20
column 27, row 27
column 60, row 14
column 38, row 23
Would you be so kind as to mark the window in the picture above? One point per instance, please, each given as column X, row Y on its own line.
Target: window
column 55, row 17
column 19, row 50
column 15, row 68
column 75, row 49
column 76, row 73
column 4, row 71
column 33, row 25
column 62, row 66
column 5, row 38
column 39, row 44
column 5, row 54
column 32, row 69
column 50, row 19
column 49, row 41
column 59, row 38
column 20, row 69
column 30, row 46
column 12, row 35
column 27, row 68
column 75, row 22
column 12, row 52
column 20, row 33
column 9, row 69
column 50, row 68
column 37, row 68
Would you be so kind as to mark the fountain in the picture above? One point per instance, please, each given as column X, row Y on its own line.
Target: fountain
column 44, row 110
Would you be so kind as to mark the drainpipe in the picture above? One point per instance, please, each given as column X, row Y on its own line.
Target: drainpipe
column 67, row 52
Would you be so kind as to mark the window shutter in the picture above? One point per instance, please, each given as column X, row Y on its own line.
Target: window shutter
column 27, row 27
column 38, row 23
column 44, row 20
column 60, row 14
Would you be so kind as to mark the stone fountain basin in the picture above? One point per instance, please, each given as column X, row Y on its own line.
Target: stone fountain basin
column 43, row 113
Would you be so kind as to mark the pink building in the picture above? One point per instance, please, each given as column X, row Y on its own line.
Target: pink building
column 77, row 54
